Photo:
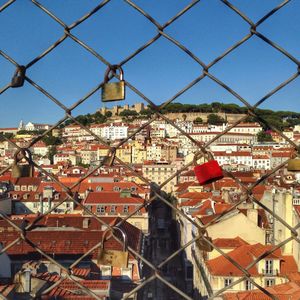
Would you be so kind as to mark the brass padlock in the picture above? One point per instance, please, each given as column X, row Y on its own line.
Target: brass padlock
column 24, row 170
column 113, row 258
column 113, row 91
column 109, row 159
column 19, row 77
column 202, row 243
column 294, row 164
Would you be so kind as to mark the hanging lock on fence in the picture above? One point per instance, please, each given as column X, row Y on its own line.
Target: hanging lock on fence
column 113, row 258
column 19, row 77
column 202, row 243
column 294, row 164
column 26, row 170
column 209, row 171
column 109, row 159
column 113, row 91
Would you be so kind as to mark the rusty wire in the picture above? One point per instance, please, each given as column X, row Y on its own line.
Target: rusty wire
column 202, row 149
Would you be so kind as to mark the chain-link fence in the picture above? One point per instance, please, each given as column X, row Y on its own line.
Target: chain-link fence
column 155, row 272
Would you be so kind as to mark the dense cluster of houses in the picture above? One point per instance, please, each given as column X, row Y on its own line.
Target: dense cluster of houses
column 69, row 208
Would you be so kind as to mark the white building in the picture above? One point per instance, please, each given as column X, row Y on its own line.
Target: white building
column 252, row 128
column 232, row 158
column 114, row 132
column 35, row 126
column 261, row 162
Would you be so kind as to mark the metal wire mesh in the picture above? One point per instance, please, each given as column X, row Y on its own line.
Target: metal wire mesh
column 155, row 270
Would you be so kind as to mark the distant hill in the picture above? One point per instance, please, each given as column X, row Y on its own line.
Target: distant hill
column 279, row 119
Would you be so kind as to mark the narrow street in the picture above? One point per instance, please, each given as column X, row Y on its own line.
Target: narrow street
column 162, row 242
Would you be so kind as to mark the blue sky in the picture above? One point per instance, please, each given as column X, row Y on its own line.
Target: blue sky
column 117, row 30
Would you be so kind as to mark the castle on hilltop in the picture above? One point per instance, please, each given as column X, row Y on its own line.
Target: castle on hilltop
column 138, row 107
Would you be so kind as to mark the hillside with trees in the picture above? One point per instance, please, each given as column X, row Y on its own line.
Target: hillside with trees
column 279, row 119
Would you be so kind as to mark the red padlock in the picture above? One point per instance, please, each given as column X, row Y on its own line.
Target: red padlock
column 209, row 171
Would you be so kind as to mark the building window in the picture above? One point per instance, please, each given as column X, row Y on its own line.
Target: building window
column 248, row 285
column 269, row 266
column 116, row 189
column 126, row 209
column 113, row 209
column 100, row 209
column 269, row 282
column 227, row 281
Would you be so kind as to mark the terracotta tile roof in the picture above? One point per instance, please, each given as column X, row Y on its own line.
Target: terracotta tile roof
column 229, row 242
column 28, row 181
column 245, row 255
column 282, row 154
column 188, row 173
column 216, row 208
column 111, row 197
column 220, row 266
column 286, row 291
column 288, row 265
column 67, row 289
column 68, row 241
column 183, row 186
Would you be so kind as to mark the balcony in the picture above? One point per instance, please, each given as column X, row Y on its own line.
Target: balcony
column 273, row 272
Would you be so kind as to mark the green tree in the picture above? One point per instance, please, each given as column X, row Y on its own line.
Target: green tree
column 215, row 119
column 128, row 113
column 51, row 140
column 51, row 153
column 108, row 114
column 198, row 120
column 263, row 136
column 8, row 135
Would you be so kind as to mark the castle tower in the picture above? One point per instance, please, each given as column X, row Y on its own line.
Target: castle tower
column 21, row 125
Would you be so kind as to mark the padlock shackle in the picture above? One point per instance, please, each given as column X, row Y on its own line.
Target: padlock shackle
column 23, row 152
column 124, row 236
column 207, row 155
column 109, row 160
column 113, row 68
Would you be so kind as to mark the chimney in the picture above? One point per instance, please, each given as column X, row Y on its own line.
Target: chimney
column 86, row 223
column 41, row 204
column 49, row 202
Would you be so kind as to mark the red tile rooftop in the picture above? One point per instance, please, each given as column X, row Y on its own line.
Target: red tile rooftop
column 60, row 241
column 68, row 290
column 285, row 291
column 229, row 242
column 244, row 256
column 111, row 197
